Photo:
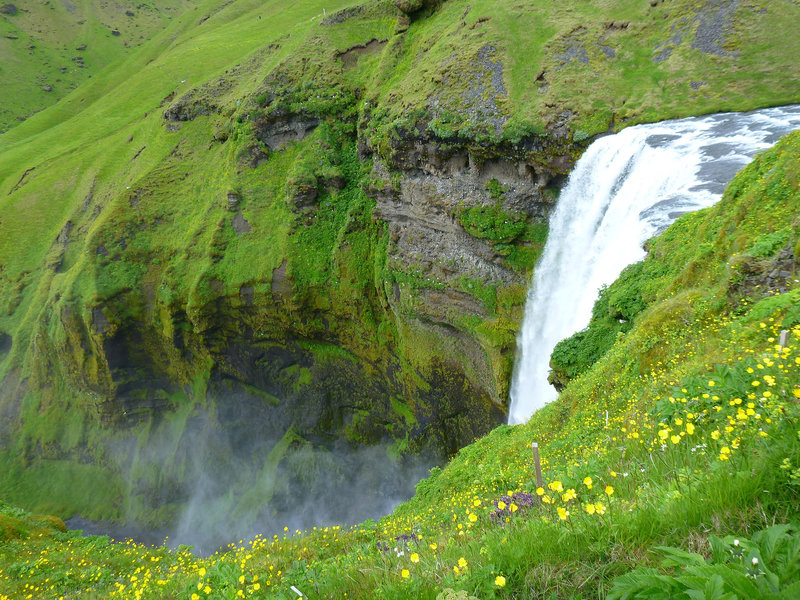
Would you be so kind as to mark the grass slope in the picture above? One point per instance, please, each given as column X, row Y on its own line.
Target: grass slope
column 666, row 465
column 113, row 217
column 51, row 48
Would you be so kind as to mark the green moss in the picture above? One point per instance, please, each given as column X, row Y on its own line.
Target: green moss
column 768, row 244
column 492, row 223
column 157, row 266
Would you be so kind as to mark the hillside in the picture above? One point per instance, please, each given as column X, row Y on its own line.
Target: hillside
column 292, row 228
column 49, row 48
column 671, row 466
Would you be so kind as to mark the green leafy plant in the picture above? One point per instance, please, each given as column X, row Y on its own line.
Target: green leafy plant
column 766, row 567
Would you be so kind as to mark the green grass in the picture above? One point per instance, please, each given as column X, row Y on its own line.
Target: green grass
column 733, row 243
column 113, row 220
column 39, row 44
column 683, row 437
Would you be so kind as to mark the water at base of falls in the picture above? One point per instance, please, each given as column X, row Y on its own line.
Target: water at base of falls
column 625, row 189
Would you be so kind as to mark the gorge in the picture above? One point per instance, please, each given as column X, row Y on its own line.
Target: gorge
column 264, row 275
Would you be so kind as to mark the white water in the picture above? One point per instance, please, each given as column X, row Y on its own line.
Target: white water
column 625, row 189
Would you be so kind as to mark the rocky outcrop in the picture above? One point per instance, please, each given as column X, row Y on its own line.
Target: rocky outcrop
column 757, row 276
column 282, row 127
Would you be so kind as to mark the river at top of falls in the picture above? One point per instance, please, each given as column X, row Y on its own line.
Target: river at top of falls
column 625, row 189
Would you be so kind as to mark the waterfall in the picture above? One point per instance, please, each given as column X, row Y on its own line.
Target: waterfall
column 626, row 188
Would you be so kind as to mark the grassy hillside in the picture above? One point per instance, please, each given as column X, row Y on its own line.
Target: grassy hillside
column 50, row 48
column 293, row 208
column 669, row 465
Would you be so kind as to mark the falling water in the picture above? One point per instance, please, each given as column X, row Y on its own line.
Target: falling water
column 625, row 189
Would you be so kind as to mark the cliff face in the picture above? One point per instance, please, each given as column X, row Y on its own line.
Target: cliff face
column 320, row 234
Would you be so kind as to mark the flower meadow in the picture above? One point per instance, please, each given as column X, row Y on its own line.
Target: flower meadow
column 710, row 453
column 671, row 468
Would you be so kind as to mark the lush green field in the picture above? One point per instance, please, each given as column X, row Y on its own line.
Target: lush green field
column 669, row 465
column 51, row 48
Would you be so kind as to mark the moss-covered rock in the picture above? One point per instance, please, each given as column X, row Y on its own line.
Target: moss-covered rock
column 366, row 281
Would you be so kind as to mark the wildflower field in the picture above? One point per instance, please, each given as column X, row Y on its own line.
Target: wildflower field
column 671, row 467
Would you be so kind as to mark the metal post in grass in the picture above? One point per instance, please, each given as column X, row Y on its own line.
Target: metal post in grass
column 537, row 465
column 784, row 339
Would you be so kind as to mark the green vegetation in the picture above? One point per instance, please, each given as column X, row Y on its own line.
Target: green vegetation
column 493, row 223
column 51, row 48
column 668, row 468
column 735, row 249
column 202, row 216
column 765, row 567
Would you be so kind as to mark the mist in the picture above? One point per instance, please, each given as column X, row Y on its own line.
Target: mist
column 209, row 476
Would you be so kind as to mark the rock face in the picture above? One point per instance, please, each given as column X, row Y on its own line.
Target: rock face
column 340, row 290
column 328, row 243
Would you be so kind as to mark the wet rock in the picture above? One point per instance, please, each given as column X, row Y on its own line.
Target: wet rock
column 280, row 129
column 232, row 200
column 100, row 320
column 714, row 22
column 240, row 224
column 247, row 294
column 188, row 108
column 5, row 344
column 282, row 286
